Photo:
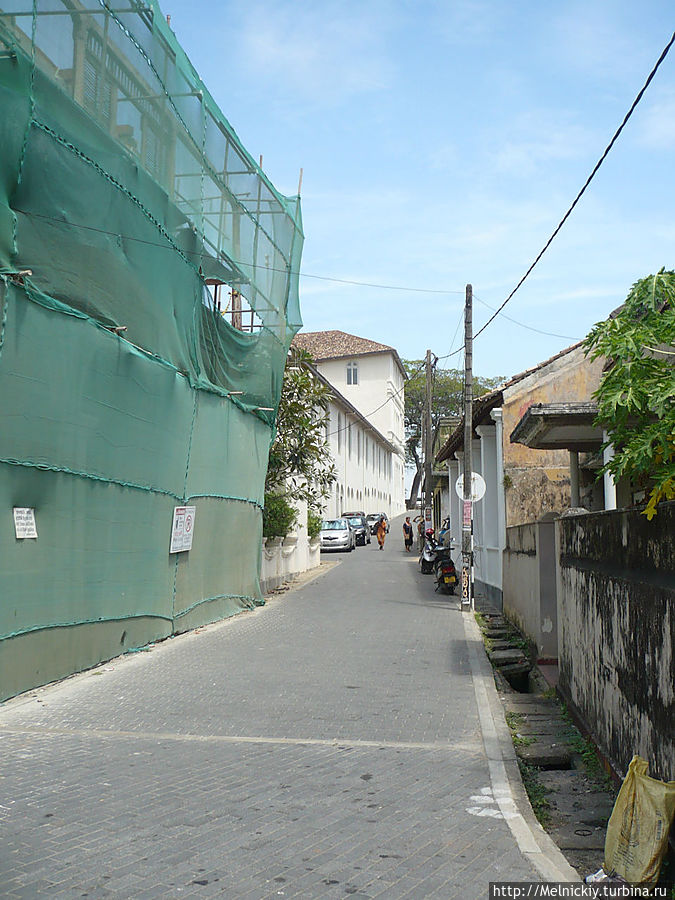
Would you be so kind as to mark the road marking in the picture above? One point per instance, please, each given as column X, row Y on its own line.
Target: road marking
column 463, row 746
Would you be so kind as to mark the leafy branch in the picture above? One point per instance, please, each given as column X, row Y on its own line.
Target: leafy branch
column 636, row 404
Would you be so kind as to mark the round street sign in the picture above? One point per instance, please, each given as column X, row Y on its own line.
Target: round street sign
column 477, row 487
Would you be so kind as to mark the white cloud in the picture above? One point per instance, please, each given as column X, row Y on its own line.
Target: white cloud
column 320, row 54
column 537, row 139
column 590, row 38
column 657, row 123
column 467, row 21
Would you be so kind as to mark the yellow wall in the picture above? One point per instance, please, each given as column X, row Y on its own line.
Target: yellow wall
column 537, row 481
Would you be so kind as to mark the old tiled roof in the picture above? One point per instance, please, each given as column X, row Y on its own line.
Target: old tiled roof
column 334, row 344
column 324, row 345
column 521, row 376
column 483, row 405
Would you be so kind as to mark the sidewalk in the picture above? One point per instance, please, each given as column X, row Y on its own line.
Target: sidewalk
column 345, row 740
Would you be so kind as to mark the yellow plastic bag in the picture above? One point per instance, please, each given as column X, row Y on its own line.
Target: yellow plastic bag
column 637, row 831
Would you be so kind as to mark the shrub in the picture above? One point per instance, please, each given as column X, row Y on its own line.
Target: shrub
column 279, row 516
column 313, row 524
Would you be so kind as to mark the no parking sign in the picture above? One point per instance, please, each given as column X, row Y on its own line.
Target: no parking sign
column 182, row 529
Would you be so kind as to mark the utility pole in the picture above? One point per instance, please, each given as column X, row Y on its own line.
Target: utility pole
column 428, row 441
column 467, row 511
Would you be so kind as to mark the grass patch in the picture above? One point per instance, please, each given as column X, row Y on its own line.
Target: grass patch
column 482, row 621
column 514, row 720
column 586, row 749
column 536, row 792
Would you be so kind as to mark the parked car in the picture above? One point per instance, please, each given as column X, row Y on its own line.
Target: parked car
column 337, row 534
column 349, row 515
column 374, row 518
column 361, row 530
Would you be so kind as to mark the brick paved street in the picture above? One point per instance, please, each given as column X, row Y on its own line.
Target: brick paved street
column 327, row 745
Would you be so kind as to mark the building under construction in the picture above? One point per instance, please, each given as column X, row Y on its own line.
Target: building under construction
column 148, row 297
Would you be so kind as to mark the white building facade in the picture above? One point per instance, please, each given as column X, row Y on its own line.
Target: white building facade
column 366, row 428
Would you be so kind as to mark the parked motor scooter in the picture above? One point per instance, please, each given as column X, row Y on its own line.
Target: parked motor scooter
column 428, row 555
column 445, row 573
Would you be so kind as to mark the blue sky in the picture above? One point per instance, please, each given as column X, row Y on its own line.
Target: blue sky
column 441, row 143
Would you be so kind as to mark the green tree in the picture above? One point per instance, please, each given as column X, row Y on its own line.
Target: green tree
column 636, row 404
column 447, row 400
column 300, row 464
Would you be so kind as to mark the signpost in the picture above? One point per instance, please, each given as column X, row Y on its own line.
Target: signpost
column 478, row 487
column 476, row 493
column 467, row 532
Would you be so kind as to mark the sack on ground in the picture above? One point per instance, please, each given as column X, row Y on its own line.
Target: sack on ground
column 637, row 832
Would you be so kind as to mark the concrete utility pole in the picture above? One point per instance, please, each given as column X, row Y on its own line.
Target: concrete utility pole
column 467, row 512
column 428, row 439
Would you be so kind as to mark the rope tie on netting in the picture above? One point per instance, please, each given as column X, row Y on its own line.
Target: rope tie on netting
column 246, row 600
column 118, row 482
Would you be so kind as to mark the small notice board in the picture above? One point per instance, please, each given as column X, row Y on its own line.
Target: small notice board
column 182, row 528
column 24, row 522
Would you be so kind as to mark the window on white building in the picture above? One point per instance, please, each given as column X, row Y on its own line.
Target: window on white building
column 340, row 424
column 352, row 373
column 349, row 440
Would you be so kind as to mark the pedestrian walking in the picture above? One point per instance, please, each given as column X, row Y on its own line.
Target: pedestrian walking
column 381, row 532
column 420, row 532
column 408, row 534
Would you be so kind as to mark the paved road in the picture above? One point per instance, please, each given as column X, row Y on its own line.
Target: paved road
column 328, row 745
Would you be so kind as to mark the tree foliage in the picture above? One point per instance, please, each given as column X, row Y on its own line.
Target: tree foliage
column 636, row 396
column 447, row 400
column 300, row 464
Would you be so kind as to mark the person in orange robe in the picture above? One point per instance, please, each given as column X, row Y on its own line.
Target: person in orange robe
column 381, row 533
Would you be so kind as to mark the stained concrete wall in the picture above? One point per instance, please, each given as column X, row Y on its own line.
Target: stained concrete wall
column 616, row 620
column 529, row 584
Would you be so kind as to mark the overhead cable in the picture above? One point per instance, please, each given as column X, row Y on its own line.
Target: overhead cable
column 586, row 184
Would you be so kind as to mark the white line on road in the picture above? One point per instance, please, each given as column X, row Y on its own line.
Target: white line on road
column 463, row 746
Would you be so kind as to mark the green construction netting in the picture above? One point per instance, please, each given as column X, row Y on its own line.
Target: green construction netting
column 148, row 299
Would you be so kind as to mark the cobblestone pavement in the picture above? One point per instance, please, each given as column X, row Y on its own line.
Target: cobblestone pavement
column 327, row 745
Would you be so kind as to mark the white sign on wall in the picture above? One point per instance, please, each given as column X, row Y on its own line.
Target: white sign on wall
column 182, row 528
column 24, row 522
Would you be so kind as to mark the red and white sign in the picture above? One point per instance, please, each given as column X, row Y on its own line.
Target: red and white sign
column 182, row 528
column 467, row 514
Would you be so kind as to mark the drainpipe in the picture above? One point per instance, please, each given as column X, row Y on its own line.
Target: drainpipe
column 496, row 416
column 575, row 502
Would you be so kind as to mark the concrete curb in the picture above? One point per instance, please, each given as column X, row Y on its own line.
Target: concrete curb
column 507, row 786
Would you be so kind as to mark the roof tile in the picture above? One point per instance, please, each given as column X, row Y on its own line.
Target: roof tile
column 336, row 344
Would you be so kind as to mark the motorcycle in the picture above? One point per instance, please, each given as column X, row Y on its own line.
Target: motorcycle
column 445, row 573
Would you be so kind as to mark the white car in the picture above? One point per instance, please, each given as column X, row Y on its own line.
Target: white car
column 336, row 534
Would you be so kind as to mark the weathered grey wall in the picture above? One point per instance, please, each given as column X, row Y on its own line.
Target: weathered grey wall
column 529, row 584
column 616, row 620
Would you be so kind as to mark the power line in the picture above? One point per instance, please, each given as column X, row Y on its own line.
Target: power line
column 454, row 353
column 201, row 254
column 370, row 284
column 384, row 287
column 566, row 337
column 586, row 184
column 377, row 409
